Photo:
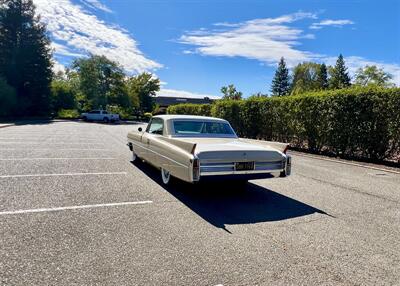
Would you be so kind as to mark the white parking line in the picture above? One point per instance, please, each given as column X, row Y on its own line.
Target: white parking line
column 52, row 143
column 47, row 137
column 33, row 159
column 37, row 138
column 55, row 149
column 62, row 174
column 28, row 211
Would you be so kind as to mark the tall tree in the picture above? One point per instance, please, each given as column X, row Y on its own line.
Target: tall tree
column 8, row 99
column 281, row 82
column 322, row 77
column 339, row 75
column 101, row 81
column 305, row 77
column 230, row 92
column 372, row 75
column 62, row 95
column 141, row 89
column 25, row 56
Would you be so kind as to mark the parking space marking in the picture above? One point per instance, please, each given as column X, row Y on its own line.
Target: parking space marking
column 62, row 174
column 48, row 158
column 56, row 209
column 52, row 143
column 49, row 136
column 56, row 149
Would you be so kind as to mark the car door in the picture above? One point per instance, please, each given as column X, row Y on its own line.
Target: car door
column 154, row 129
column 99, row 116
column 90, row 115
column 95, row 115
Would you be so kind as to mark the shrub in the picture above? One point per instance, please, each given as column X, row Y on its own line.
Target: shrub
column 124, row 113
column 68, row 114
column 191, row 109
column 148, row 115
column 361, row 122
column 62, row 96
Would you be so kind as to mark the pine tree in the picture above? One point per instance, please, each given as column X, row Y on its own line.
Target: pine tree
column 230, row 92
column 339, row 76
column 322, row 77
column 281, row 82
column 25, row 56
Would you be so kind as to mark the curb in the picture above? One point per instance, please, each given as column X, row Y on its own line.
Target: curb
column 345, row 162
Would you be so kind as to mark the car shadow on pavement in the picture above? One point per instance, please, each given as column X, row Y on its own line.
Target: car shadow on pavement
column 224, row 203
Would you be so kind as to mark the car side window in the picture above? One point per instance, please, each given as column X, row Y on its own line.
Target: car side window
column 156, row 126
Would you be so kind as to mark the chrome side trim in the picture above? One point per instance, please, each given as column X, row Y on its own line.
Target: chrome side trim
column 172, row 160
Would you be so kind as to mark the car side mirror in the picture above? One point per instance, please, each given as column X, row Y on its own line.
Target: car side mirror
column 140, row 129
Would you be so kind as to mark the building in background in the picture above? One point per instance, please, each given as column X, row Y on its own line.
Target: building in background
column 165, row 99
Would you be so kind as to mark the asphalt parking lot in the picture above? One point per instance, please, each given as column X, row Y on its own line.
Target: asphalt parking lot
column 75, row 211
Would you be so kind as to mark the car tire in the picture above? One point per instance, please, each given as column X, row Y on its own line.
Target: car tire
column 282, row 174
column 84, row 118
column 105, row 120
column 134, row 157
column 165, row 176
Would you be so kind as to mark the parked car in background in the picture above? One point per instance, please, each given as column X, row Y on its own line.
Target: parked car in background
column 197, row 148
column 100, row 115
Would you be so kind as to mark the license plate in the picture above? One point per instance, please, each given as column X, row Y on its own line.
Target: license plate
column 244, row 166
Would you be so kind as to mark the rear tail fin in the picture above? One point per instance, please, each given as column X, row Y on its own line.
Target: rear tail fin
column 282, row 147
column 187, row 146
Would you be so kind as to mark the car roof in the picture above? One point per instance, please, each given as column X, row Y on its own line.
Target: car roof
column 189, row 117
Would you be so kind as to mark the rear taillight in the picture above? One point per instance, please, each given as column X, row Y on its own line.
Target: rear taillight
column 196, row 169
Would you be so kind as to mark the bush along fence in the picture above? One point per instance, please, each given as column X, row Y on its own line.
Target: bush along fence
column 359, row 123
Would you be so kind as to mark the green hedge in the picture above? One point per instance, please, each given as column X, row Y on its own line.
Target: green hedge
column 68, row 114
column 356, row 122
column 192, row 109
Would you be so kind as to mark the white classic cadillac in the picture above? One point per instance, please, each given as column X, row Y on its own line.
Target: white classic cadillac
column 197, row 148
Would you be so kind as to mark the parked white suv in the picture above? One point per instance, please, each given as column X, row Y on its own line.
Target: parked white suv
column 100, row 115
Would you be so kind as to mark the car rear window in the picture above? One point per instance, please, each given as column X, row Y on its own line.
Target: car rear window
column 189, row 127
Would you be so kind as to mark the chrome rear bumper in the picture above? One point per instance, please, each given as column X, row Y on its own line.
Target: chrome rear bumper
column 228, row 168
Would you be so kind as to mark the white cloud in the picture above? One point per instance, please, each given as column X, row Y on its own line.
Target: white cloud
column 184, row 94
column 333, row 23
column 57, row 67
column 266, row 39
column 96, row 4
column 64, row 50
column 75, row 32
column 354, row 63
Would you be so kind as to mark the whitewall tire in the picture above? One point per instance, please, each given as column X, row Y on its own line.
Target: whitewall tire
column 165, row 176
column 134, row 157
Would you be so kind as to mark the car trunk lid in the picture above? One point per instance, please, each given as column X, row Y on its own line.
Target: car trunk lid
column 232, row 150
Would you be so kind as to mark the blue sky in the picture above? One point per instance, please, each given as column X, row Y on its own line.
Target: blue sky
column 195, row 47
